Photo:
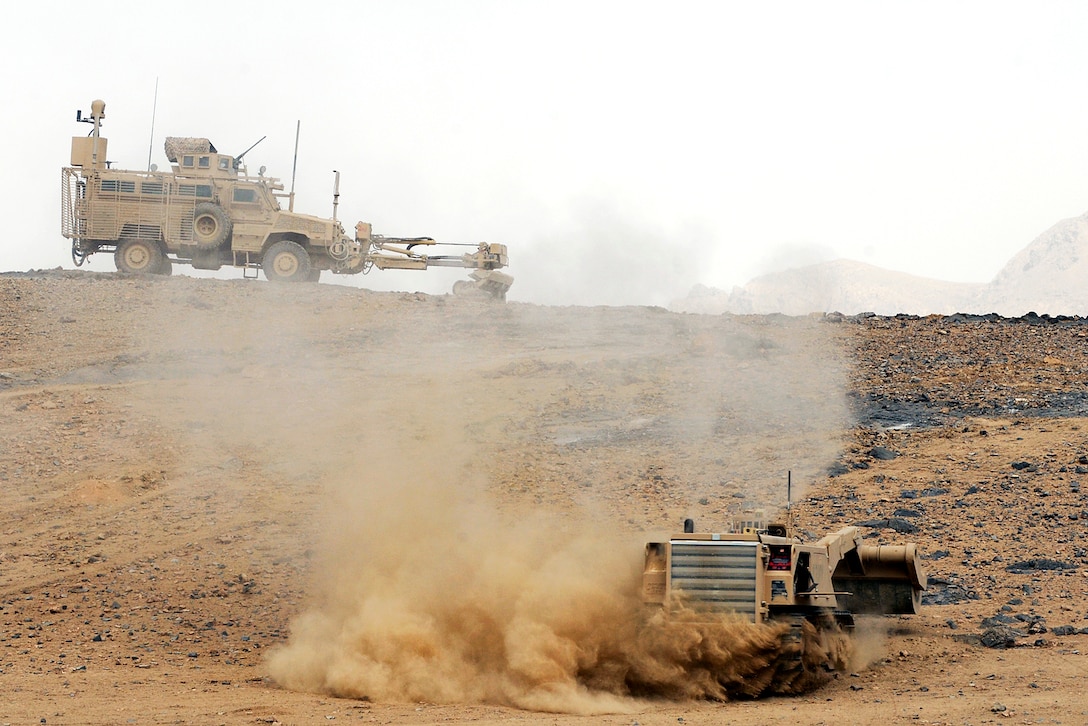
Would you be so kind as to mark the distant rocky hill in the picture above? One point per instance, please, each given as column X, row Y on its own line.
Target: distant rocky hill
column 845, row 286
column 1047, row 276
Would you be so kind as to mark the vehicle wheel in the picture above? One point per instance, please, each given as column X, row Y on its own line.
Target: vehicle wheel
column 286, row 261
column 211, row 226
column 138, row 255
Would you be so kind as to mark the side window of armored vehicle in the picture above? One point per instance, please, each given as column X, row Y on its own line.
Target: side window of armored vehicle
column 201, row 191
column 224, row 163
column 187, row 161
column 245, row 194
column 151, row 188
column 205, row 162
column 118, row 185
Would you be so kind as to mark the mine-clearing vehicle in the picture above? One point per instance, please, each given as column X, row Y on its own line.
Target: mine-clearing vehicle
column 207, row 211
column 765, row 574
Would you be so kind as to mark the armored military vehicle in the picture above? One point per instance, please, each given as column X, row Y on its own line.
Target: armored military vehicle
column 809, row 594
column 209, row 212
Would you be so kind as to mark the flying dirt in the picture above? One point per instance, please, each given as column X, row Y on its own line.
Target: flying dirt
column 432, row 595
column 446, row 581
column 549, row 614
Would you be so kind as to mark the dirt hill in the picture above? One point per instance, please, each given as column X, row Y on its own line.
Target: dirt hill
column 235, row 502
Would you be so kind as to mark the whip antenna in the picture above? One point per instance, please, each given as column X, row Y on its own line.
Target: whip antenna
column 294, row 167
column 789, row 498
column 154, row 108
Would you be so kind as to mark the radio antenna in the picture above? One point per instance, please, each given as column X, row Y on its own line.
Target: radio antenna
column 789, row 499
column 294, row 168
column 154, row 108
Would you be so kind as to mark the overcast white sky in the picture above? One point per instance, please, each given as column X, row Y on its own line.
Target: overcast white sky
column 623, row 150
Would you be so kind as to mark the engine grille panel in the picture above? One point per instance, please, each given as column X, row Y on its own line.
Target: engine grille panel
column 718, row 576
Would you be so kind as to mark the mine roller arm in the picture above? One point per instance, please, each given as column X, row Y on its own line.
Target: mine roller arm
column 874, row 579
column 400, row 253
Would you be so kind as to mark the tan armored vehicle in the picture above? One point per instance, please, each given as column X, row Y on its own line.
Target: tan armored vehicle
column 207, row 211
column 764, row 574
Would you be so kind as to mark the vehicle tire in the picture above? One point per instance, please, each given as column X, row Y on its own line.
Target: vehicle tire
column 138, row 255
column 211, row 226
column 286, row 261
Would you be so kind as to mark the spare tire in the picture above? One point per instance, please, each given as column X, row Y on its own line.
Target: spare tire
column 211, row 226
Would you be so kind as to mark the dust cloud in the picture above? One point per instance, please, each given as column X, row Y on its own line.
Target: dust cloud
column 428, row 593
column 869, row 642
column 481, row 480
column 433, row 586
column 604, row 254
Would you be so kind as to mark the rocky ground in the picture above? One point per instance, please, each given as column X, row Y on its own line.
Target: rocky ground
column 227, row 501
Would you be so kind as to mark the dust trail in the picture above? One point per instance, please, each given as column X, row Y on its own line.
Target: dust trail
column 408, row 415
column 869, row 643
column 428, row 593
column 433, row 588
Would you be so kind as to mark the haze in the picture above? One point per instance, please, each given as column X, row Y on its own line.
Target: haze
column 625, row 151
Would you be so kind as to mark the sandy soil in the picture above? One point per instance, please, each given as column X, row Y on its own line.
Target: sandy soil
column 226, row 501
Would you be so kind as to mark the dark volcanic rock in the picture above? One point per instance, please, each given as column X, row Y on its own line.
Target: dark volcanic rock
column 883, row 454
column 1042, row 563
column 1001, row 636
column 940, row 591
column 895, row 523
